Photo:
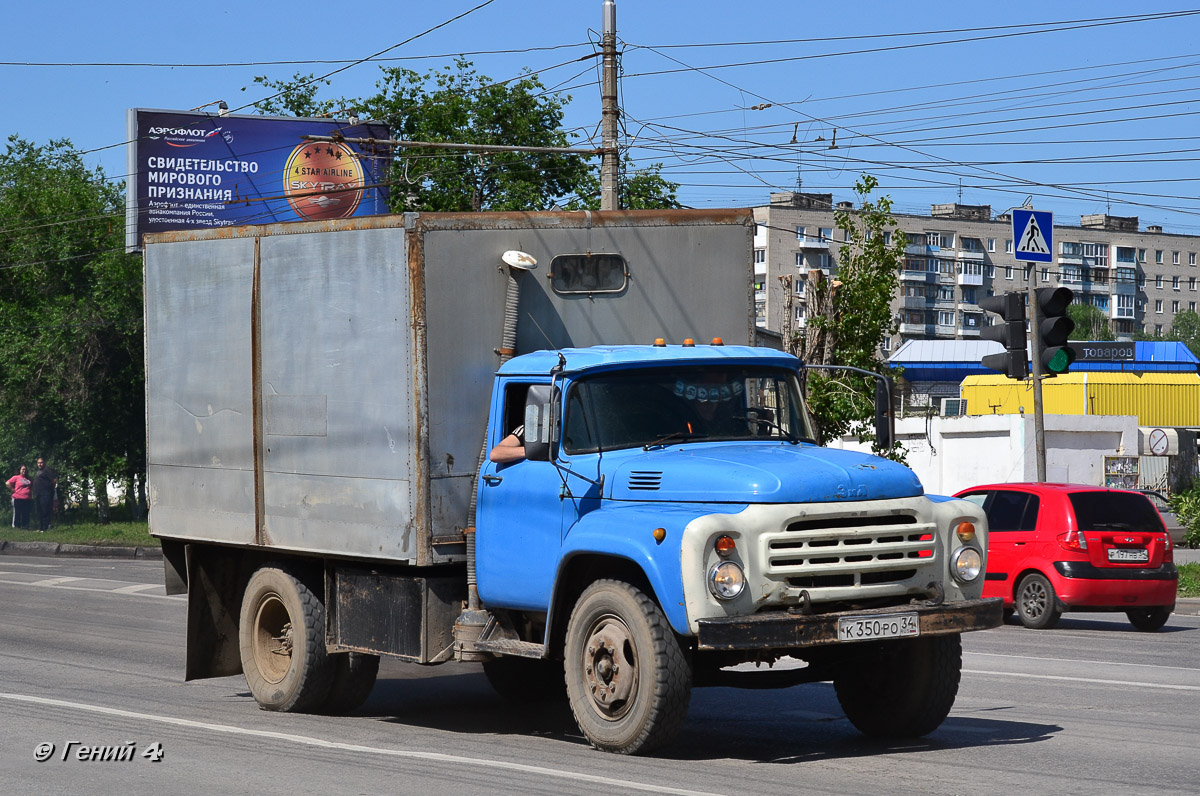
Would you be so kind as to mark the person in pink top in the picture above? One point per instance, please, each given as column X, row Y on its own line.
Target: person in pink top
column 22, row 498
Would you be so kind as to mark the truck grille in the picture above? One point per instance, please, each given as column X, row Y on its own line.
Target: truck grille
column 838, row 552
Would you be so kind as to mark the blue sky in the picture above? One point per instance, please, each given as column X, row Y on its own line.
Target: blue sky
column 1090, row 118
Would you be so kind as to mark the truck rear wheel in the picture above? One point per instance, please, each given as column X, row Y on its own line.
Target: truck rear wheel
column 282, row 640
column 628, row 677
column 354, row 676
column 901, row 689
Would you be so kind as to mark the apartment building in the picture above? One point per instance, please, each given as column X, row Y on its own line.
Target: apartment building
column 1139, row 279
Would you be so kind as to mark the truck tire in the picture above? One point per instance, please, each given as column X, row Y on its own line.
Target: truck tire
column 901, row 689
column 524, row 681
column 282, row 639
column 1037, row 604
column 1148, row 619
column 628, row 678
column 354, row 676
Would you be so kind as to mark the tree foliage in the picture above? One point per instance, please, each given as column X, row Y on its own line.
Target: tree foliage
column 1090, row 323
column 71, row 317
column 849, row 317
column 1186, row 329
column 459, row 105
column 639, row 189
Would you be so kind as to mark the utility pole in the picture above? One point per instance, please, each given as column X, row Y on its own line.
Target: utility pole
column 1035, row 361
column 609, row 112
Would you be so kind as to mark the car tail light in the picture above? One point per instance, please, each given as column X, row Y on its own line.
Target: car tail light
column 1073, row 540
column 1168, row 549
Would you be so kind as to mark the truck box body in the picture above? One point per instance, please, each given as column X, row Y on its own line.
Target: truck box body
column 323, row 387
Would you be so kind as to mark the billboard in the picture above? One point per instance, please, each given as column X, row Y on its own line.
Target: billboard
column 190, row 170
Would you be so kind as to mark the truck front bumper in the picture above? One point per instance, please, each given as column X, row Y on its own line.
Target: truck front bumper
column 789, row 630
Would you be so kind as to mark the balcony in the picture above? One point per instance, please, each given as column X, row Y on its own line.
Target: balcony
column 1118, row 313
column 915, row 302
column 812, row 243
column 971, row 255
column 970, row 279
column 967, row 332
column 917, row 329
column 925, row 277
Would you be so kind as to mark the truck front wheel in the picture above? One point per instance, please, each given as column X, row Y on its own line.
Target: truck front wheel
column 628, row 677
column 901, row 689
column 282, row 640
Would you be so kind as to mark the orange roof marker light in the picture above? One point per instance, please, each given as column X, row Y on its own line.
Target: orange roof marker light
column 689, row 342
column 718, row 341
column 660, row 343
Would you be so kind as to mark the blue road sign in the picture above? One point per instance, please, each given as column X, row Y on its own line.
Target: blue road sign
column 1033, row 235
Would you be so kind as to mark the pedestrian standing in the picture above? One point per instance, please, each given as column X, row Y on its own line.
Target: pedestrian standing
column 45, row 482
column 22, row 499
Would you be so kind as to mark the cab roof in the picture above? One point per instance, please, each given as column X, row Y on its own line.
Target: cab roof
column 581, row 359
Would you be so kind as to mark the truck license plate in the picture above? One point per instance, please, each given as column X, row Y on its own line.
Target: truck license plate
column 867, row 628
column 1124, row 554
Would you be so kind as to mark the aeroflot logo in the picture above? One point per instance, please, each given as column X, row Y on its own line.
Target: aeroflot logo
column 190, row 137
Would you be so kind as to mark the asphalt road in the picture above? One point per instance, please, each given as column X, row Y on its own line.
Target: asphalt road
column 91, row 654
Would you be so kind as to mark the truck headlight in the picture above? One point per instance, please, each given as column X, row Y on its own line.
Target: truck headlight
column 967, row 564
column 726, row 580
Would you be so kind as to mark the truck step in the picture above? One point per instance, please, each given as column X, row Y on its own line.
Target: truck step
column 520, row 649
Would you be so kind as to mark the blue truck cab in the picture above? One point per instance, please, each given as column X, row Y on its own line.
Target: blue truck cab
column 674, row 512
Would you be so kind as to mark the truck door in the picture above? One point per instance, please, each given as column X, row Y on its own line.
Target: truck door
column 518, row 518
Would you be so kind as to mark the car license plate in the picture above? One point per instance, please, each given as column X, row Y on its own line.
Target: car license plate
column 1124, row 554
column 867, row 628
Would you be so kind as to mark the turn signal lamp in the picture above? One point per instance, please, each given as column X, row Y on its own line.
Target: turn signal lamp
column 1073, row 540
column 965, row 531
column 725, row 546
column 659, row 534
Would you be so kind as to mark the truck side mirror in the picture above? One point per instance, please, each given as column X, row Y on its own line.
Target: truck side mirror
column 883, row 412
column 540, row 427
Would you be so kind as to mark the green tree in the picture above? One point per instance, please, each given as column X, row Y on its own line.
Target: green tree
column 1090, row 323
column 457, row 105
column 639, row 189
column 1186, row 329
column 849, row 317
column 71, row 319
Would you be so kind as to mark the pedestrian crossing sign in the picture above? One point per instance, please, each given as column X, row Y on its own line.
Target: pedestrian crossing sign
column 1033, row 234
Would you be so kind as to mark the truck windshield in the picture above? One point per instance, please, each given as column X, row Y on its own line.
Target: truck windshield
column 648, row 407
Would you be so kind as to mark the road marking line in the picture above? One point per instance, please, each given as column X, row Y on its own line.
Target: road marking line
column 176, row 598
column 1078, row 660
column 136, row 588
column 349, row 747
column 54, row 581
column 1091, row 680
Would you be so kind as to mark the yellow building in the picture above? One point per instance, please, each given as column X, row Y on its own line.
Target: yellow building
column 1157, row 399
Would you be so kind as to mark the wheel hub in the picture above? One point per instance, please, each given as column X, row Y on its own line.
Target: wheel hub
column 610, row 670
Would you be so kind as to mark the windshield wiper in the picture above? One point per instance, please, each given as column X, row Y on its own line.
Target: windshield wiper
column 679, row 435
column 789, row 436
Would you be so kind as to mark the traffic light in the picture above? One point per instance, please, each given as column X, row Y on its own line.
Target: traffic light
column 1054, row 328
column 1010, row 333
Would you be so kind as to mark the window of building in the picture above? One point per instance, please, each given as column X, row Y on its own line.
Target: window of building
column 887, row 241
column 972, row 245
column 1124, row 306
column 915, row 317
column 1070, row 249
column 1008, row 247
column 1158, row 281
column 1158, row 256
column 1141, row 255
column 945, row 293
column 1191, row 258
column 1008, row 270
column 914, row 263
column 760, row 255
column 914, row 291
column 1101, row 302
column 799, row 259
column 1158, row 328
column 1191, row 283
column 1045, row 274
column 945, row 317
column 1096, row 254
column 825, row 233
column 944, row 266
column 1175, row 307
column 1175, row 258
column 1126, row 254
column 968, row 295
column 1191, row 306
column 1174, row 283
column 940, row 240
column 915, row 238
column 1141, row 280
column 1126, row 276
column 991, row 244
column 1158, row 306
column 799, row 233
column 1071, row 274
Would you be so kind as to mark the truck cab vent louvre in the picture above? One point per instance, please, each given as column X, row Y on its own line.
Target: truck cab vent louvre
column 649, row 480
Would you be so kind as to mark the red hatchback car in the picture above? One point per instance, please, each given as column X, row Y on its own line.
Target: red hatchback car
column 1069, row 547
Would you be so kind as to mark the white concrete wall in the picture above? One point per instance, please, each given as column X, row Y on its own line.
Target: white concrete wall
column 953, row 453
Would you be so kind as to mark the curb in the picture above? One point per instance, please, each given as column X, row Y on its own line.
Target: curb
column 1188, row 606
column 77, row 550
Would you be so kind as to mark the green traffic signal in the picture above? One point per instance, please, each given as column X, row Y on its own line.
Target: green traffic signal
column 1054, row 329
column 1058, row 360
